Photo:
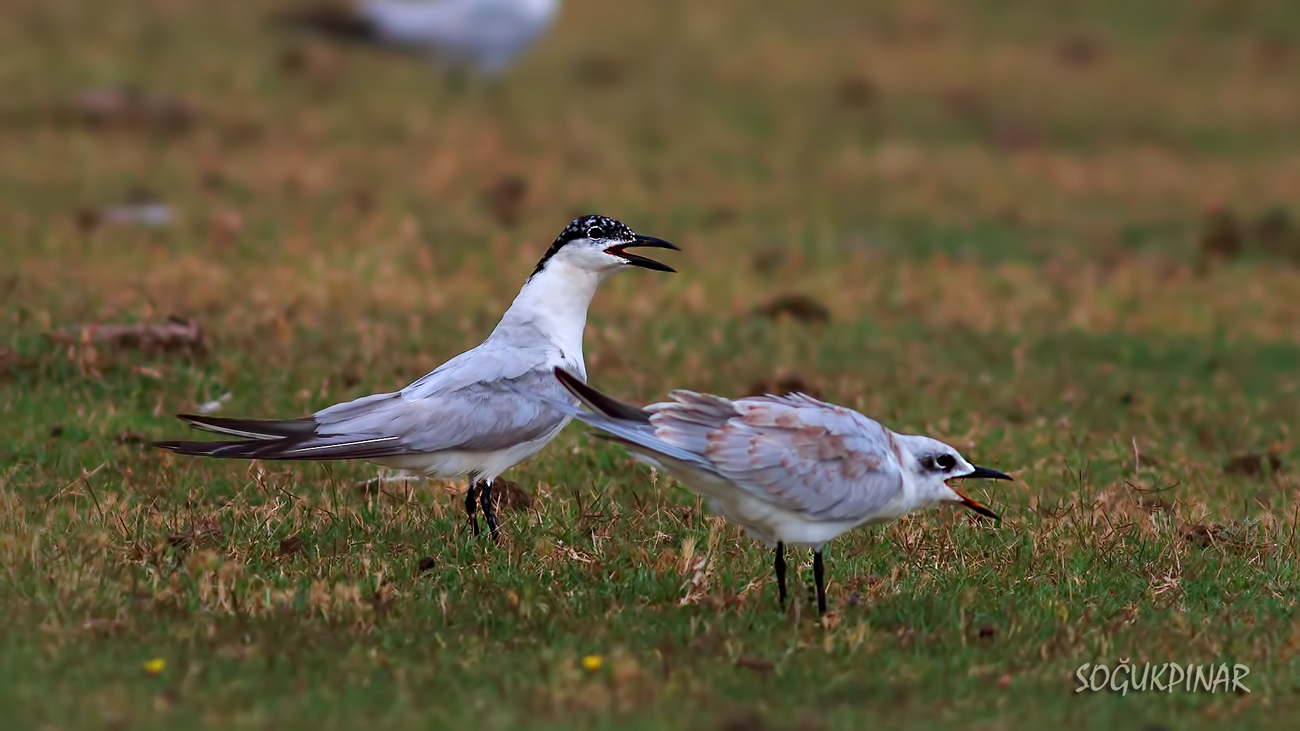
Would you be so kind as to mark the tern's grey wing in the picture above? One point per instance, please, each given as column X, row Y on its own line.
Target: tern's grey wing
column 623, row 423
column 799, row 453
column 497, row 359
column 482, row 416
column 796, row 452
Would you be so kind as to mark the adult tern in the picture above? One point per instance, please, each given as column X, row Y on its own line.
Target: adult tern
column 470, row 416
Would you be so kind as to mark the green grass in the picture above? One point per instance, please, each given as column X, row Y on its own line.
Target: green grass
column 1009, row 242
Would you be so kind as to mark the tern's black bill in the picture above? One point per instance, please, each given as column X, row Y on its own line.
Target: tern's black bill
column 988, row 474
column 620, row 250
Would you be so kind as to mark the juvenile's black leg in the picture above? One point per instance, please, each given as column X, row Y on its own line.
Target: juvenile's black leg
column 469, row 506
column 780, row 571
column 819, row 576
column 485, row 498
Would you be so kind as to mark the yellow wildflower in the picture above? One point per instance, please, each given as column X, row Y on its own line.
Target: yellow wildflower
column 593, row 663
column 155, row 666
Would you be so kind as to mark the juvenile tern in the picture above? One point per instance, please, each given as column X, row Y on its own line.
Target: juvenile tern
column 470, row 415
column 788, row 469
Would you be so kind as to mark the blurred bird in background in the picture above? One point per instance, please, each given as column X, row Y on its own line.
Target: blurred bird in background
column 479, row 37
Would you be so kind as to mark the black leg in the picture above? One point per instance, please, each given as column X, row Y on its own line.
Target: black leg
column 819, row 576
column 469, row 506
column 780, row 572
column 485, row 498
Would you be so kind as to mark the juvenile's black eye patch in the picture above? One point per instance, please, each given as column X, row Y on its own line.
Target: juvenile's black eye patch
column 939, row 463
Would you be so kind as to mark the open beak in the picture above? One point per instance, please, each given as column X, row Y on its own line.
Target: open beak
column 986, row 473
column 620, row 250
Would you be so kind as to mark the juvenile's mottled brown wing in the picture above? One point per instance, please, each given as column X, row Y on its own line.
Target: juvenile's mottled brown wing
column 799, row 453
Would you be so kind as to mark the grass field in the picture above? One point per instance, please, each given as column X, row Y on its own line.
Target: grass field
column 1063, row 237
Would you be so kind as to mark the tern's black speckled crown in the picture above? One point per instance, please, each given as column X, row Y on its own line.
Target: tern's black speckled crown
column 587, row 227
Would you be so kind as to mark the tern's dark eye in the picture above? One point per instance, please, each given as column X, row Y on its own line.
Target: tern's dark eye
column 595, row 232
column 940, row 463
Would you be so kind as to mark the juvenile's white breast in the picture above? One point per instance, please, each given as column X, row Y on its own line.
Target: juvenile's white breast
column 767, row 521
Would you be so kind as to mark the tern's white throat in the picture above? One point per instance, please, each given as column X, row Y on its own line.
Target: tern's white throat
column 554, row 302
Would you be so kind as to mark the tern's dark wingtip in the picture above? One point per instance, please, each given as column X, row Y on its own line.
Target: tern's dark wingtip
column 566, row 377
